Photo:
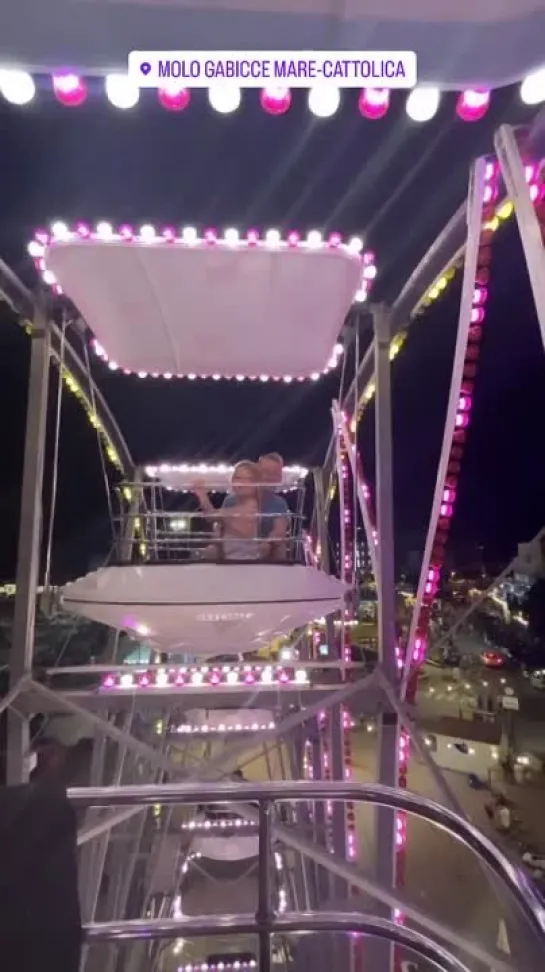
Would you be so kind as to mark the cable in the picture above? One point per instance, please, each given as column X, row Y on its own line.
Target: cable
column 55, row 473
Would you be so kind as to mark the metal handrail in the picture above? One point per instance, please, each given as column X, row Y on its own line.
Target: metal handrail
column 510, row 875
column 289, row 923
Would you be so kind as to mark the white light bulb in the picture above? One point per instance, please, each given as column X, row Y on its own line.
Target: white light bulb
column 224, row 98
column 324, row 101
column 422, row 104
column 17, row 87
column 121, row 92
column 532, row 89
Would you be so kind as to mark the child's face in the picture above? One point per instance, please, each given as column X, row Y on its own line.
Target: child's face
column 244, row 485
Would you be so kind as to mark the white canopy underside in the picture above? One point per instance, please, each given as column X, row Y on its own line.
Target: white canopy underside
column 466, row 44
column 205, row 609
column 210, row 311
column 216, row 479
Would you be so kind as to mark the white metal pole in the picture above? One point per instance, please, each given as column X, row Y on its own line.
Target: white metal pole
column 513, row 171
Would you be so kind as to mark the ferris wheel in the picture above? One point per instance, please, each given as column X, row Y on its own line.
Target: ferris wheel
column 237, row 798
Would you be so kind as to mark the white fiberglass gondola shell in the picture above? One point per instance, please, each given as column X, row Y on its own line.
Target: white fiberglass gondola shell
column 205, row 609
column 209, row 307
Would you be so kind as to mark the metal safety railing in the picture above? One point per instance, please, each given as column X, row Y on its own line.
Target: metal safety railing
column 265, row 923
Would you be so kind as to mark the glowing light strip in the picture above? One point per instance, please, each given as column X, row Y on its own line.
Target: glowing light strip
column 293, row 475
column 206, row 675
column 195, row 826
column 186, row 730
column 234, row 966
column 264, row 378
column 502, row 214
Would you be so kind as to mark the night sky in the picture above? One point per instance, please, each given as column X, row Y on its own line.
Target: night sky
column 393, row 182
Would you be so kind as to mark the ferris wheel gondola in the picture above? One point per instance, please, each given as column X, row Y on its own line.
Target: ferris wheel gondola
column 207, row 306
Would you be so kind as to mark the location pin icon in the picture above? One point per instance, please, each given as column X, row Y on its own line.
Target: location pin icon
column 145, row 68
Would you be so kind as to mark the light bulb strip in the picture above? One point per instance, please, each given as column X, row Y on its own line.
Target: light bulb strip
column 204, row 826
column 450, row 490
column 503, row 212
column 177, row 677
column 234, row 966
column 432, row 570
column 205, row 729
column 293, row 476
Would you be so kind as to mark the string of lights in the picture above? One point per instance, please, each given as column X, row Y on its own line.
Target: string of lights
column 18, row 87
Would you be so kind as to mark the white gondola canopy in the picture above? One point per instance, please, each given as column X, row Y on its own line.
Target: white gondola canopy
column 217, row 479
column 462, row 45
column 211, row 306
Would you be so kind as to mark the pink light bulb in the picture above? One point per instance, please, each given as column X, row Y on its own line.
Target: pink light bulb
column 211, row 236
column 294, row 238
column 275, row 101
column 108, row 681
column 472, row 105
column 174, row 97
column 334, row 240
column 490, row 194
column 69, row 90
column 252, row 237
column 373, row 103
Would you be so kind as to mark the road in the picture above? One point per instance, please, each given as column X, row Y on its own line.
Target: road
column 439, row 694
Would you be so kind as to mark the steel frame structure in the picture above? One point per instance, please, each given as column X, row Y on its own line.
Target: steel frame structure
column 119, row 721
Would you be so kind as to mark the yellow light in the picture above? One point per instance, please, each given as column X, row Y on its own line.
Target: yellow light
column 492, row 224
column 506, row 210
column 143, row 548
column 442, row 282
column 127, row 493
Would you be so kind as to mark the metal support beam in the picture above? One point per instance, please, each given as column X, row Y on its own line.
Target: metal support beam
column 387, row 723
column 264, row 913
column 30, row 532
column 512, row 167
column 351, row 451
column 474, row 220
column 231, row 753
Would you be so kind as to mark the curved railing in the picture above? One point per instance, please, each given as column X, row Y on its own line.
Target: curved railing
column 504, row 872
column 289, row 923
